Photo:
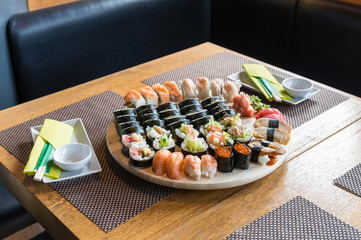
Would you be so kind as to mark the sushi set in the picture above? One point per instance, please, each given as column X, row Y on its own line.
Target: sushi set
column 201, row 136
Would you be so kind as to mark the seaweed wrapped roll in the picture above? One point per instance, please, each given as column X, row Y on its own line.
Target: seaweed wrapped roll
column 167, row 106
column 224, row 157
column 125, row 111
column 189, row 101
column 141, row 156
column 242, row 156
column 194, row 146
column 164, row 142
column 182, row 132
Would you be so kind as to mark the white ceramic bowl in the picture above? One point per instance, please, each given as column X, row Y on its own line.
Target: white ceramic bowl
column 297, row 87
column 72, row 157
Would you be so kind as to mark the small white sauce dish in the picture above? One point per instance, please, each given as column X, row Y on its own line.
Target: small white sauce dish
column 72, row 157
column 297, row 87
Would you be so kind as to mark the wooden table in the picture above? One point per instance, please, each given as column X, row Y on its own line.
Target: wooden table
column 322, row 149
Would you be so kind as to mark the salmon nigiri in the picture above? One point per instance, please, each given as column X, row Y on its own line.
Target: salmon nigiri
column 149, row 95
column 162, row 92
column 174, row 92
column 134, row 99
column 174, row 166
column 203, row 87
column 192, row 166
column 160, row 161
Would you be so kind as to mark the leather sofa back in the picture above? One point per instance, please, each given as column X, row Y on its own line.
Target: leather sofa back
column 63, row 46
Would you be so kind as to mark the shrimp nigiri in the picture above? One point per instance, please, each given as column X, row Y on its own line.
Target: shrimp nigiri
column 162, row 92
column 174, row 166
column 203, row 87
column 188, row 88
column 230, row 90
column 208, row 165
column 174, row 92
column 160, row 161
column 216, row 86
column 149, row 95
column 134, row 99
column 192, row 166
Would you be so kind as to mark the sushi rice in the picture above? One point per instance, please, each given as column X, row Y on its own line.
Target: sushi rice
column 164, row 142
column 156, row 132
column 241, row 133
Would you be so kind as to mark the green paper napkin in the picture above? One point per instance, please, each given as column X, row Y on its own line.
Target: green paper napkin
column 259, row 71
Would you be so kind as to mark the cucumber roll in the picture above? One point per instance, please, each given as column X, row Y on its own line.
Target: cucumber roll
column 125, row 111
column 240, row 133
column 194, row 146
column 224, row 157
column 122, row 126
column 189, row 101
column 155, row 132
column 191, row 108
column 223, row 113
column 169, row 113
column 134, row 129
column 218, row 108
column 209, row 100
column 143, row 107
column 141, row 156
column 146, row 111
column 197, row 123
column 182, row 132
column 218, row 139
column 194, row 115
column 242, row 156
column 215, row 104
column 172, row 119
column 177, row 124
column 149, row 116
column 152, row 122
column 126, row 118
column 164, row 142
column 166, row 106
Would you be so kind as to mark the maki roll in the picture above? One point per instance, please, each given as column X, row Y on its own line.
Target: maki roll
column 218, row 139
column 211, row 126
column 152, row 122
column 218, row 108
column 121, row 126
column 141, row 156
column 191, row 108
column 242, row 156
column 149, row 116
column 189, row 101
column 215, row 104
column 167, row 106
column 197, row 123
column 172, row 119
column 169, row 113
column 178, row 124
column 154, row 133
column 231, row 120
column 182, row 132
column 194, row 115
column 164, row 142
column 125, row 111
column 209, row 100
column 240, row 133
column 223, row 113
column 126, row 118
column 146, row 111
column 224, row 157
column 143, row 107
column 133, row 129
column 133, row 140
column 194, row 146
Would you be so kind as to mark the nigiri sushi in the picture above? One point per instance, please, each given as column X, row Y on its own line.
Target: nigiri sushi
column 134, row 99
column 160, row 161
column 203, row 87
column 174, row 92
column 208, row 166
column 192, row 166
column 174, row 166
column 216, row 86
column 242, row 105
column 230, row 90
column 149, row 95
column 162, row 92
column 188, row 88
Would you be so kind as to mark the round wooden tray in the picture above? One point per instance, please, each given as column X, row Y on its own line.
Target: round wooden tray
column 220, row 181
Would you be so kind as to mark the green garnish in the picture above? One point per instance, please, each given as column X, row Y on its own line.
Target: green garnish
column 235, row 118
column 257, row 104
column 194, row 145
column 212, row 123
column 164, row 140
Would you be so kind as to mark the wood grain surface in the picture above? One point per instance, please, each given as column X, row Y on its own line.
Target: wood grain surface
column 321, row 150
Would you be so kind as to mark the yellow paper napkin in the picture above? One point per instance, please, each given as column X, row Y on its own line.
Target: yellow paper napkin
column 258, row 70
column 57, row 134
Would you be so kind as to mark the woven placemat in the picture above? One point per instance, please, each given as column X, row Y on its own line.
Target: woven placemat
column 351, row 180
column 297, row 219
column 107, row 197
column 224, row 64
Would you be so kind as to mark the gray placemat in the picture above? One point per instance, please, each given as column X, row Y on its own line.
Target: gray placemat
column 297, row 219
column 107, row 198
column 224, row 64
column 351, row 180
